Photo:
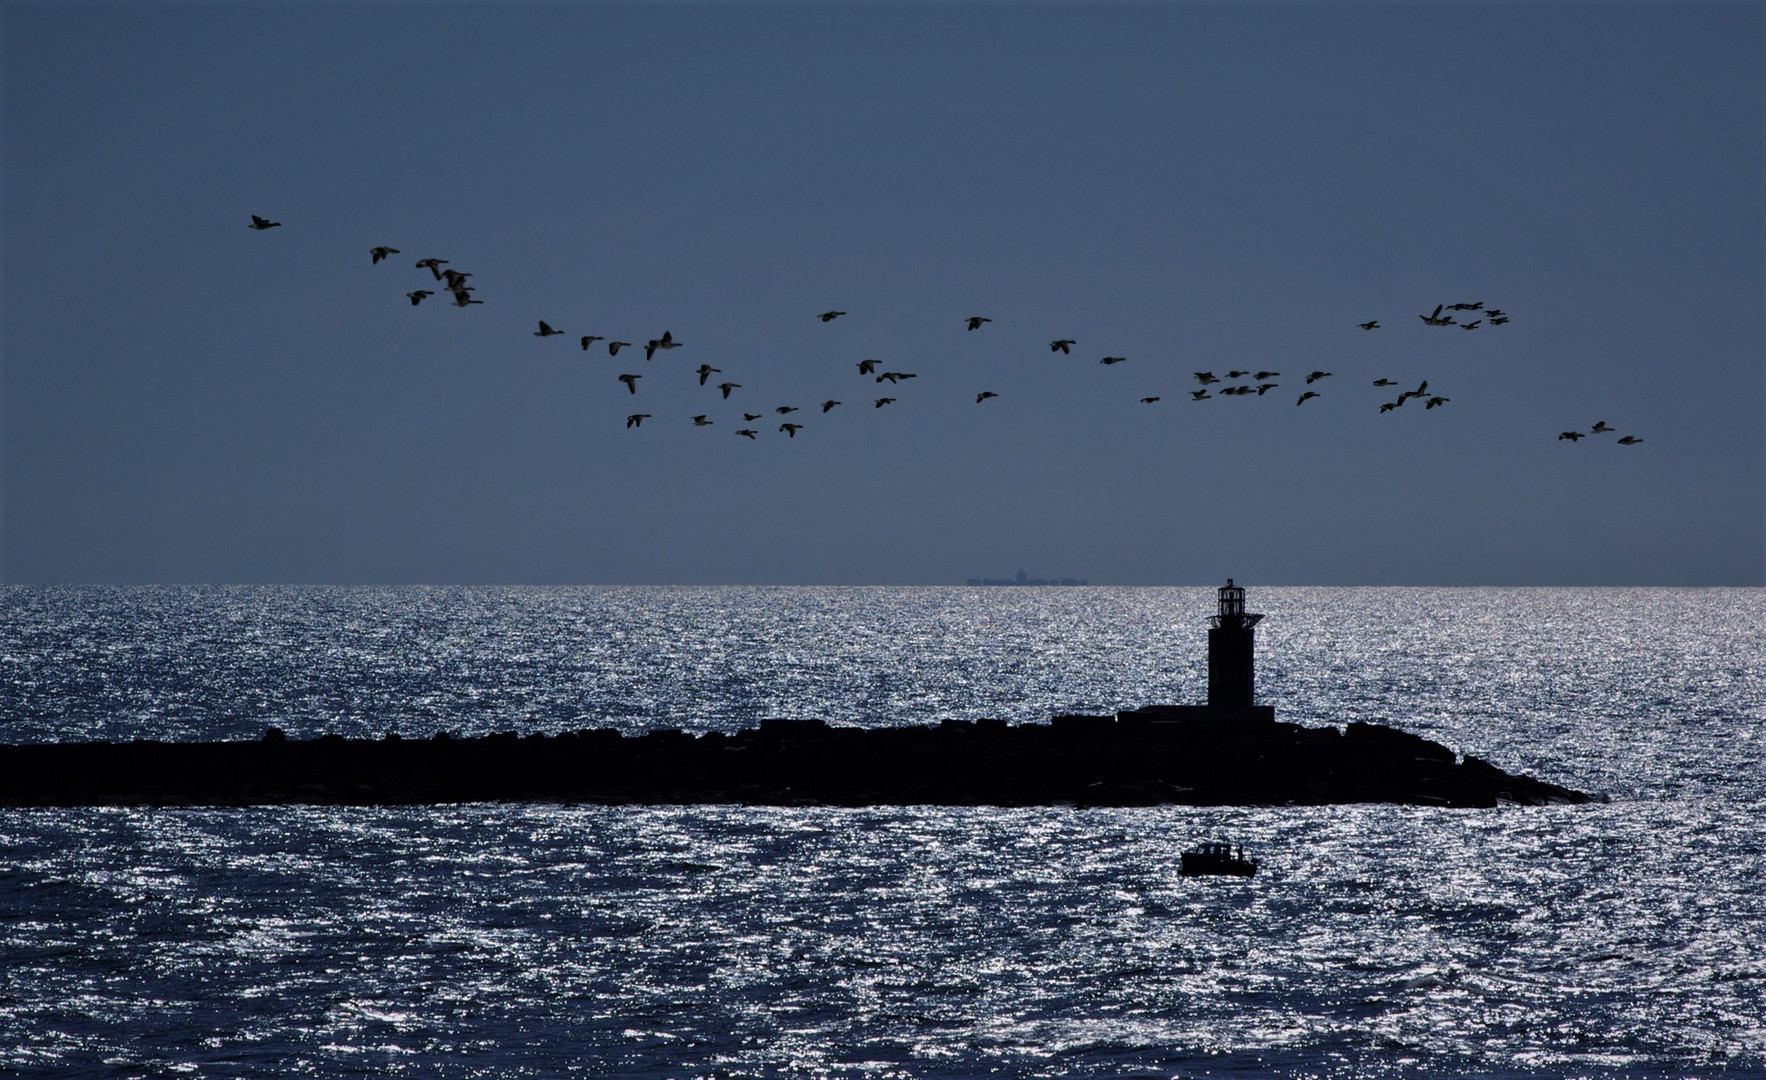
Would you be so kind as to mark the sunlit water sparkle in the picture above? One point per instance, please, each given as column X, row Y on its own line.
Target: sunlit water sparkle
column 1611, row 940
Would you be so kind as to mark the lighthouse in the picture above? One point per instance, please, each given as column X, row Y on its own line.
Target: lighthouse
column 1232, row 642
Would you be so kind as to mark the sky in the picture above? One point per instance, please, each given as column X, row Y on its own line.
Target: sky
column 1192, row 187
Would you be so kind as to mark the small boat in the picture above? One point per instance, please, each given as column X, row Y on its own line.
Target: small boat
column 1213, row 858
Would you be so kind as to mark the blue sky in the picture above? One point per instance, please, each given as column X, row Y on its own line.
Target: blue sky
column 1192, row 187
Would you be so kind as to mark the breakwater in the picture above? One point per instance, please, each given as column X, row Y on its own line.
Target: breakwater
column 1180, row 755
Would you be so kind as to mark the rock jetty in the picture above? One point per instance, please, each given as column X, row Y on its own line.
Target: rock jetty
column 1192, row 756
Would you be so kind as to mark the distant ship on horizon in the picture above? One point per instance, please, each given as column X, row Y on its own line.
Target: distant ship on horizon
column 1021, row 579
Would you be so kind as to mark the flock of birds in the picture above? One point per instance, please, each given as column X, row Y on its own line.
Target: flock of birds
column 1247, row 382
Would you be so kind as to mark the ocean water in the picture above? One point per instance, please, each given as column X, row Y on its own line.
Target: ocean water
column 1617, row 939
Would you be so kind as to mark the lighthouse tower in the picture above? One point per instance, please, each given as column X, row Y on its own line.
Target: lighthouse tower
column 1232, row 674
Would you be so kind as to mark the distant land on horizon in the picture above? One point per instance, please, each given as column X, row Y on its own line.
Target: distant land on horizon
column 1021, row 579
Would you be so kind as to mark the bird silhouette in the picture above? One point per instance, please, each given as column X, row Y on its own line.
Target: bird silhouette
column 1148, row 400
column 975, row 321
column 1112, row 359
column 1465, row 307
column 1061, row 346
column 984, row 395
column 1434, row 401
column 613, row 347
column 631, row 382
column 1198, row 395
column 830, row 316
column 1630, row 440
column 1422, row 390
column 726, row 387
column 1390, row 405
column 701, row 421
column 896, row 376
column 636, row 419
column 751, row 417
column 1436, row 319
column 1264, row 388
column 375, row 254
column 261, row 224
column 882, row 401
column 417, row 296
column 747, row 433
column 1473, row 325
column 1206, row 377
column 1571, row 435
column 1495, row 313
column 706, row 370
column 1498, row 320
column 1237, row 374
column 1371, row 324
column 462, row 298
column 826, row 405
column 1317, row 375
column 590, row 339
column 865, row 367
column 1264, row 375
column 783, row 409
column 1600, row 428
column 1303, row 397
column 545, row 331
column 1384, row 382
column 666, row 341
column 455, row 278
column 791, row 430
column 432, row 265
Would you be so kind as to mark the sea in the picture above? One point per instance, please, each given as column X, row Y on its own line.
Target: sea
column 1624, row 938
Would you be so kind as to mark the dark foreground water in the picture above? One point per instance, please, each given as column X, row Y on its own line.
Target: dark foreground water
column 1626, row 939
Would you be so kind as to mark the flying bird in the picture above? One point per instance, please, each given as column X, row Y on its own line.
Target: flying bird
column 1206, row 377
column 865, row 367
column 1303, row 397
column 1600, row 428
column 613, row 347
column 1473, row 325
column 455, row 278
column 1112, row 359
column 783, row 409
column 830, row 316
column 1061, row 346
column 1198, row 395
column 417, row 295
column 751, row 417
column 432, row 265
column 1436, row 319
column 791, row 430
column 1498, row 320
column 1496, row 313
column 1466, row 307
column 1384, row 382
column 1371, row 324
column 1571, row 435
column 261, row 224
column 1264, row 388
column 975, row 321
column 1434, row 401
column 826, row 405
column 375, row 254
column 984, row 395
column 666, row 341
column 1263, row 375
column 590, row 339
column 631, row 382
column 636, row 419
column 882, row 401
column 747, row 433
column 545, row 331
column 463, row 298
column 706, row 370
column 1630, row 440
column 1390, row 405
column 726, row 387
column 701, row 421
column 1237, row 374
column 1148, row 400
column 1317, row 375
column 895, row 376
